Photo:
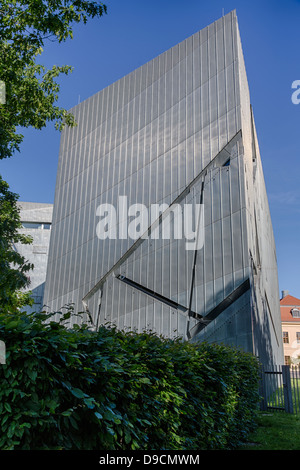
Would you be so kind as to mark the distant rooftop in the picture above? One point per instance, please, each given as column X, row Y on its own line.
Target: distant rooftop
column 33, row 205
column 35, row 211
column 289, row 300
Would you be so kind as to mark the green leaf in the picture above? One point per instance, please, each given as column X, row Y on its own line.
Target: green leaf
column 7, row 407
column 74, row 423
column 77, row 392
column 145, row 380
column 90, row 402
column 109, row 415
column 11, row 325
column 32, row 374
column 128, row 437
column 5, row 418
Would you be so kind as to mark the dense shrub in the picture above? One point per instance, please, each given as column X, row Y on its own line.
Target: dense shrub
column 78, row 389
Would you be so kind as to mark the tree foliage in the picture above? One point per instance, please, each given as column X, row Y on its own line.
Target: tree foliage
column 14, row 267
column 32, row 90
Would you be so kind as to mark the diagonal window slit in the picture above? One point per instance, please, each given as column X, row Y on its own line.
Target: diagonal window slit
column 159, row 297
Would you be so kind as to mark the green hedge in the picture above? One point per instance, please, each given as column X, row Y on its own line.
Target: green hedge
column 78, row 389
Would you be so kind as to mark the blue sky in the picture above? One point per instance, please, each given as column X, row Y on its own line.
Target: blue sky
column 135, row 31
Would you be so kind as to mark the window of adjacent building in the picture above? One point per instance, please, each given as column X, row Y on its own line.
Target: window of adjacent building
column 36, row 225
column 298, row 337
column 296, row 313
column 287, row 360
column 31, row 225
column 285, row 337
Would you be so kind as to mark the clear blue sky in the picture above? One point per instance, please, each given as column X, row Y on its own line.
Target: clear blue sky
column 135, row 31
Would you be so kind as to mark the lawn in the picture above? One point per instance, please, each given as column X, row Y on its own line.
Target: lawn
column 275, row 431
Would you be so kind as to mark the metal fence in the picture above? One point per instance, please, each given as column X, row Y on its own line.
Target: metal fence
column 280, row 389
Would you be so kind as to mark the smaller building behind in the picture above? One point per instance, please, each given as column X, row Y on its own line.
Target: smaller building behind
column 36, row 220
column 290, row 318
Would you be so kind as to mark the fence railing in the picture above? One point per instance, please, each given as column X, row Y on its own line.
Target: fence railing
column 280, row 388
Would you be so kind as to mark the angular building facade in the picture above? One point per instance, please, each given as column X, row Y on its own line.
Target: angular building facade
column 36, row 221
column 178, row 131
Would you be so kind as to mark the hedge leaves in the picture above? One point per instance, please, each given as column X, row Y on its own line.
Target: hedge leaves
column 75, row 388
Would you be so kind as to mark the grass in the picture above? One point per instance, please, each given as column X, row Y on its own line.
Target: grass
column 275, row 431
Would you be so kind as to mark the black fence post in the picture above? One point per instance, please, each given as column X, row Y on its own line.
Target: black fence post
column 287, row 389
column 263, row 393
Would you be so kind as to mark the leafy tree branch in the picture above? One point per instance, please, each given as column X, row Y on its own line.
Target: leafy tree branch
column 32, row 91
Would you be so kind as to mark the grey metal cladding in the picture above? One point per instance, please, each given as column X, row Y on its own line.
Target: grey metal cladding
column 149, row 136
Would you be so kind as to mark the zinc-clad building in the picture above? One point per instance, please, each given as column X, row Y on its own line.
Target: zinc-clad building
column 177, row 131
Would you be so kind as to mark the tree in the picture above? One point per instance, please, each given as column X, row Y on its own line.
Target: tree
column 31, row 90
column 31, row 94
column 14, row 267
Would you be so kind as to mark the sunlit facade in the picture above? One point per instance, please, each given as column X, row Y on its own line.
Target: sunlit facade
column 178, row 130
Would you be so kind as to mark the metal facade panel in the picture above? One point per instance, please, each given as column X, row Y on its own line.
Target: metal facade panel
column 167, row 126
